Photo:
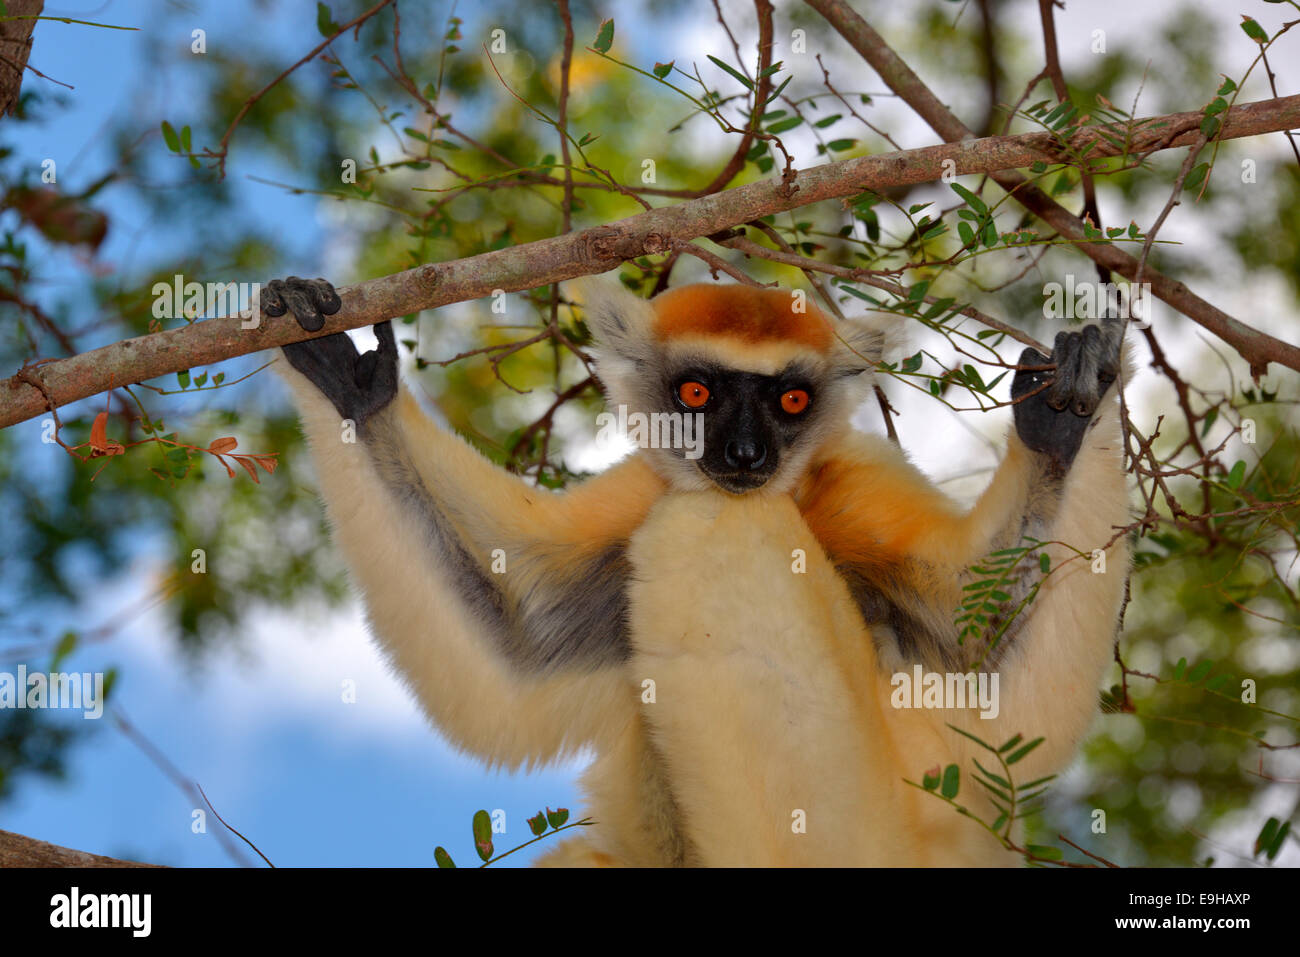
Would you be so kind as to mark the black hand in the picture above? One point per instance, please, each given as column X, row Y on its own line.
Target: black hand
column 310, row 300
column 1055, row 419
column 358, row 386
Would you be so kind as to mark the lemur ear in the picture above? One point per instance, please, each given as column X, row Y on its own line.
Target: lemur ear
column 864, row 340
column 620, row 322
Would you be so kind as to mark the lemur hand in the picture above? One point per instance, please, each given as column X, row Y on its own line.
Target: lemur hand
column 1087, row 362
column 357, row 385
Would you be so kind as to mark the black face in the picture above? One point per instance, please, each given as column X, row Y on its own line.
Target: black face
column 750, row 420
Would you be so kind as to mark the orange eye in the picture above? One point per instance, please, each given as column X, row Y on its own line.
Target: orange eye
column 693, row 394
column 794, row 401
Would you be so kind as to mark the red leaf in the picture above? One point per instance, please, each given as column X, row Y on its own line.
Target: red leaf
column 267, row 462
column 248, row 467
column 222, row 445
column 99, row 433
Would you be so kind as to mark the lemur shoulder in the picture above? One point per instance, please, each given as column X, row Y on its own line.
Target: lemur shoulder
column 769, row 588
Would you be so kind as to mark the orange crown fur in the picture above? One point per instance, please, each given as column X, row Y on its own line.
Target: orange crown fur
column 740, row 312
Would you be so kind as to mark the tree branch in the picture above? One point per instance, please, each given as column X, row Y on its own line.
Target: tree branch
column 19, row 851
column 15, row 48
column 1257, row 348
column 601, row 248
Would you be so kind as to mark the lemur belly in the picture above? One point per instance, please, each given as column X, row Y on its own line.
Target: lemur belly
column 767, row 699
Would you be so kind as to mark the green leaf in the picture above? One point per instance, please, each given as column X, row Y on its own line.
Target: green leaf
column 482, row 826
column 1254, row 30
column 325, row 21
column 973, row 201
column 170, row 138
column 839, row 146
column 930, row 781
column 1279, row 839
column 1196, row 176
column 1044, row 563
column 67, row 642
column 1045, row 851
column 557, row 817
column 782, row 126
column 183, row 377
column 1228, row 87
column 826, row 121
column 1266, row 835
column 605, row 37
column 442, row 857
column 219, row 378
column 1237, row 475
column 995, row 778
column 1022, row 752
column 1037, row 781
column 1011, row 744
column 1198, row 673
column 537, row 824
column 951, row 781
column 735, row 74
column 1179, row 669
column 661, row 70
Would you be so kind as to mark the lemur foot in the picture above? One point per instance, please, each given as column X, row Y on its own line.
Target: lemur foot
column 1054, row 420
column 358, row 385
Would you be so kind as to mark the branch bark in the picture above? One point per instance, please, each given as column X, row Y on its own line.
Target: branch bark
column 1257, row 348
column 15, row 48
column 19, row 851
column 601, row 248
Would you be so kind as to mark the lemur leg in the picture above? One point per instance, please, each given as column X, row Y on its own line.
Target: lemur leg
column 502, row 605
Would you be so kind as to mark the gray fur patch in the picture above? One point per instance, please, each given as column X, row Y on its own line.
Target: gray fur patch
column 577, row 621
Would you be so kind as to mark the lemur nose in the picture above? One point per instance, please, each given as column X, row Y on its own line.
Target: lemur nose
column 745, row 455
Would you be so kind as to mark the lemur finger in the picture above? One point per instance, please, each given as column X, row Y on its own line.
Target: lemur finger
column 327, row 297
column 301, row 301
column 384, row 335
column 269, row 299
column 377, row 370
column 1026, row 380
column 1086, row 385
column 1112, row 347
column 1065, row 353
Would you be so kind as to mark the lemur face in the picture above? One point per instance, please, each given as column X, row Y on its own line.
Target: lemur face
column 753, row 423
column 768, row 377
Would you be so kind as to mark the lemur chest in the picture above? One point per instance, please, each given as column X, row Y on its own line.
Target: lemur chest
column 758, row 679
column 736, row 592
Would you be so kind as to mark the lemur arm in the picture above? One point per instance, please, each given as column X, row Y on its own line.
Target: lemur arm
column 1061, row 480
column 514, row 648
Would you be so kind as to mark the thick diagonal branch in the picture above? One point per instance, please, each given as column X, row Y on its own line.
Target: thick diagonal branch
column 602, row 248
column 1257, row 348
